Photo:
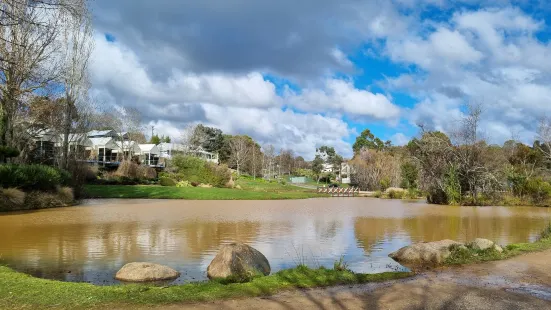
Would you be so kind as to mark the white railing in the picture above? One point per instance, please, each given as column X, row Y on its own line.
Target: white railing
column 339, row 191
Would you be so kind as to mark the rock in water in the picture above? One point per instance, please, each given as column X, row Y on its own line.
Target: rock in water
column 146, row 272
column 481, row 244
column 238, row 260
column 424, row 253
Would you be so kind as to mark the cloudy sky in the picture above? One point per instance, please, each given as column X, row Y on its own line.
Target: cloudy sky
column 301, row 74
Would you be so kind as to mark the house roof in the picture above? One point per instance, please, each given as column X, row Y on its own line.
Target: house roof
column 77, row 139
column 102, row 141
column 100, row 133
column 149, row 148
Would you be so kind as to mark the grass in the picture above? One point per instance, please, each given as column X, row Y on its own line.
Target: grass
column 250, row 190
column 462, row 255
column 21, row 291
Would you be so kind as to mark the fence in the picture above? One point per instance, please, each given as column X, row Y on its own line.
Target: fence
column 339, row 191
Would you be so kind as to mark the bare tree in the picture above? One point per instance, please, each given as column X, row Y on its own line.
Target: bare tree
column 78, row 45
column 544, row 137
column 269, row 158
column 126, row 122
column 28, row 57
column 239, row 151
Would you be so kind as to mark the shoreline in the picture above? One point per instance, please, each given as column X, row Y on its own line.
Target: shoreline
column 18, row 290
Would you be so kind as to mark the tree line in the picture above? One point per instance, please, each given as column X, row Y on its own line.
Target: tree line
column 459, row 167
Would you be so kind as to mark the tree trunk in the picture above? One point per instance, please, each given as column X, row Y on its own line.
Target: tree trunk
column 66, row 132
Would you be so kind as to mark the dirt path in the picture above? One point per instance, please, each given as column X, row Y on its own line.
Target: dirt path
column 523, row 282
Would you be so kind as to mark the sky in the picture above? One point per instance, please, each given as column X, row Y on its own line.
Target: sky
column 302, row 74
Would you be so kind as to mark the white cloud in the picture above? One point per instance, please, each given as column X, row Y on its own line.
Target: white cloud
column 399, row 139
column 443, row 49
column 487, row 56
column 342, row 96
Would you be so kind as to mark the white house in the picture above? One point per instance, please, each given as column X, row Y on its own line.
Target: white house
column 106, row 149
column 128, row 149
column 167, row 150
column 149, row 154
column 326, row 168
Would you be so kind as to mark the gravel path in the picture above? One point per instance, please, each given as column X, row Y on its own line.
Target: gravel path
column 523, row 282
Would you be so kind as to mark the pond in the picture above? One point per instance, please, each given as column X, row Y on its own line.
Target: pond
column 90, row 242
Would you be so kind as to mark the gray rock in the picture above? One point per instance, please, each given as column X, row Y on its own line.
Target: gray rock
column 146, row 272
column 498, row 248
column 424, row 253
column 481, row 244
column 238, row 260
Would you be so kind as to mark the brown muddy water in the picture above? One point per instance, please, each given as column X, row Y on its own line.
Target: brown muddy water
column 90, row 242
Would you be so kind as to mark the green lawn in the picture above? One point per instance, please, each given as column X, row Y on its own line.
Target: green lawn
column 20, row 291
column 248, row 192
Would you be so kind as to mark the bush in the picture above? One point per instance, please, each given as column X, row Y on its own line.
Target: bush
column 43, row 200
column 10, row 197
column 149, row 173
column 33, row 177
column 539, row 191
column 164, row 181
column 196, row 170
column 128, row 169
column 8, row 152
column 183, row 184
column 396, row 194
column 65, row 194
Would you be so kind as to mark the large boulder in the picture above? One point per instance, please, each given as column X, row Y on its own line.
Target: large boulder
column 424, row 253
column 484, row 244
column 238, row 260
column 481, row 244
column 146, row 272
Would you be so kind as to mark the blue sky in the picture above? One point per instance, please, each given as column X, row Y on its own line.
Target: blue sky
column 304, row 74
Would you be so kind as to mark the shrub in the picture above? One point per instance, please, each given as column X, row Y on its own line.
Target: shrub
column 8, row 152
column 396, row 194
column 150, row 173
column 65, row 194
column 378, row 194
column 33, row 177
column 164, row 181
column 183, row 184
column 10, row 197
column 128, row 169
column 538, row 190
column 43, row 200
column 198, row 171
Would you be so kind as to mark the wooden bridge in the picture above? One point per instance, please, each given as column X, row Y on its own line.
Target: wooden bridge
column 340, row 191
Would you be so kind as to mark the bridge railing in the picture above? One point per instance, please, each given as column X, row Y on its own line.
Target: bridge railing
column 339, row 191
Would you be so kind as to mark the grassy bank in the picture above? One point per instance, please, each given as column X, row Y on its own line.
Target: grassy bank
column 195, row 193
column 462, row 255
column 20, row 291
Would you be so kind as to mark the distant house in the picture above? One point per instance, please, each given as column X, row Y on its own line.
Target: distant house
column 346, row 171
column 78, row 144
column 105, row 149
column 149, row 154
column 45, row 145
column 327, row 168
column 167, row 150
column 128, row 149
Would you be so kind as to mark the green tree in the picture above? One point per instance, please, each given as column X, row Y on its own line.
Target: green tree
column 410, row 174
column 368, row 140
column 155, row 140
column 167, row 139
column 317, row 167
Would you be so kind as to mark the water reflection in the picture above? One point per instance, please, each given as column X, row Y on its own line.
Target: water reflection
column 91, row 242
